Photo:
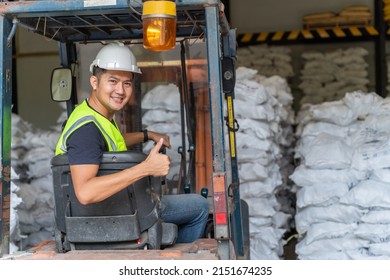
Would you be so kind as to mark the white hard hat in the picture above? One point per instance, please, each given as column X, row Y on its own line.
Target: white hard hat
column 116, row 56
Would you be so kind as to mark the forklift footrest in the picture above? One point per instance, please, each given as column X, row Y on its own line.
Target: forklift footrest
column 102, row 228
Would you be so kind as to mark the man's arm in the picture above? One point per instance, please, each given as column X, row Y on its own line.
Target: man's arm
column 90, row 188
column 134, row 138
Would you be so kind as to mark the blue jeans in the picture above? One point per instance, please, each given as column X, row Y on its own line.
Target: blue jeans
column 189, row 212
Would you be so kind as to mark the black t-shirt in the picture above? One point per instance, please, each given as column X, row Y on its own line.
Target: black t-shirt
column 86, row 145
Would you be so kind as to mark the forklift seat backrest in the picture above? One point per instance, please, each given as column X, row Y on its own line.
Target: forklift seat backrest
column 139, row 201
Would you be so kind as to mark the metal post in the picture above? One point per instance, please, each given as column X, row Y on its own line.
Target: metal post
column 380, row 50
column 5, row 136
column 229, row 81
column 68, row 56
column 220, row 194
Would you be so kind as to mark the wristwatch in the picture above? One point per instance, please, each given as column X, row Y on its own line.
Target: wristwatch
column 145, row 132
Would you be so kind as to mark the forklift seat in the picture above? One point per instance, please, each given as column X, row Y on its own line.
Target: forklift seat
column 129, row 219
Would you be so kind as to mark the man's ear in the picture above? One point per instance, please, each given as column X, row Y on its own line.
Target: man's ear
column 93, row 81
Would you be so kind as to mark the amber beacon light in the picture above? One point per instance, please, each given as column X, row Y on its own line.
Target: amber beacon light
column 159, row 25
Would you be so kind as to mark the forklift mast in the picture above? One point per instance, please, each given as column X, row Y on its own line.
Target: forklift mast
column 77, row 21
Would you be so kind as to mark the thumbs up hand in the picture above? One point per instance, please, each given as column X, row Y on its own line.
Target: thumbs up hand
column 157, row 164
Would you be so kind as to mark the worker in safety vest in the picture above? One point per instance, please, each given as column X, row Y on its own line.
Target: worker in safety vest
column 91, row 130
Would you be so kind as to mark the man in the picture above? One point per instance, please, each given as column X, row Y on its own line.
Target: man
column 91, row 130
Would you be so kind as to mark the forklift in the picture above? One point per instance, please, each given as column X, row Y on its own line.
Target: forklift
column 203, row 40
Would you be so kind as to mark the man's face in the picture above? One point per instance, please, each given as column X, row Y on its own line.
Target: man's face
column 111, row 91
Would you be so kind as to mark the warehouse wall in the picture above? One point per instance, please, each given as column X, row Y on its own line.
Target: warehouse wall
column 281, row 15
column 36, row 57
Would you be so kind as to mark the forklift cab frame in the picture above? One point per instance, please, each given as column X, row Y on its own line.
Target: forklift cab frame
column 69, row 22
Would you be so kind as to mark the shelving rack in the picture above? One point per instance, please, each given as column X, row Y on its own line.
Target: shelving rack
column 378, row 33
column 318, row 35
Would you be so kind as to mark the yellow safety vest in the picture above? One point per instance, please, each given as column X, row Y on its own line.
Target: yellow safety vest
column 84, row 114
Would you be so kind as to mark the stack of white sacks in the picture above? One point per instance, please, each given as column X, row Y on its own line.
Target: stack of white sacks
column 31, row 184
column 328, row 76
column 267, row 60
column 263, row 110
column 264, row 139
column 14, row 223
column 161, row 113
column 343, row 201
